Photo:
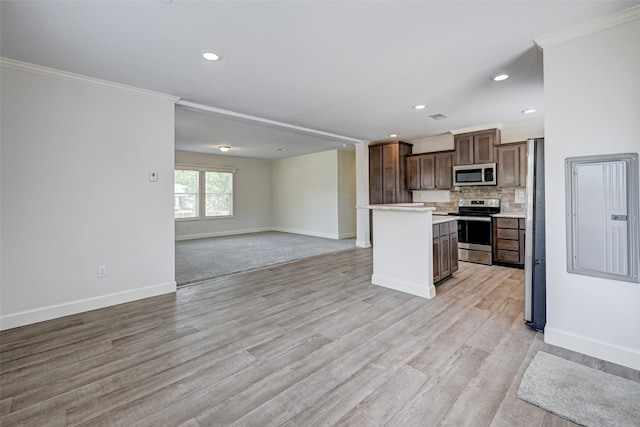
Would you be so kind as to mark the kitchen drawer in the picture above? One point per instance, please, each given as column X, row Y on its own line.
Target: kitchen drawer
column 440, row 230
column 507, row 222
column 453, row 227
column 509, row 245
column 509, row 256
column 522, row 223
column 504, row 233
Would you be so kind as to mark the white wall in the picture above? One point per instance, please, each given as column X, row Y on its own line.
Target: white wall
column 363, row 226
column 522, row 130
column 305, row 195
column 75, row 156
column 432, row 143
column 251, row 197
column 592, row 94
column 346, row 194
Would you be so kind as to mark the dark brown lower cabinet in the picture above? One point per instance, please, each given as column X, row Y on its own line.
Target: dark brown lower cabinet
column 445, row 250
column 509, row 241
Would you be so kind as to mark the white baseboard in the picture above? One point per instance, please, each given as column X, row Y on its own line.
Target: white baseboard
column 363, row 243
column 347, row 235
column 602, row 350
column 74, row 307
column 222, row 233
column 262, row 229
column 307, row 233
column 402, row 286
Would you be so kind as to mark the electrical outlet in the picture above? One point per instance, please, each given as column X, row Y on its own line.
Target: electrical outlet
column 102, row 271
column 521, row 196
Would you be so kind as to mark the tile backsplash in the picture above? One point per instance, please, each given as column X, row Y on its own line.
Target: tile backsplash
column 507, row 198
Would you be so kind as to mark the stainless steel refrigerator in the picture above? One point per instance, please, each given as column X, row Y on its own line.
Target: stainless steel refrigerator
column 535, row 295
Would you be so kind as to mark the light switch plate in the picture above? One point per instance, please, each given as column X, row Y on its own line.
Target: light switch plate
column 521, row 196
column 153, row 176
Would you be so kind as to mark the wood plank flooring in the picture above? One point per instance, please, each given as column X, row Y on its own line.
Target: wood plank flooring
column 302, row 344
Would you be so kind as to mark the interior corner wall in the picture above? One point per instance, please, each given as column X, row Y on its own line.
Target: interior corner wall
column 305, row 195
column 522, row 130
column 592, row 94
column 75, row 162
column 363, row 225
column 346, row 194
column 251, row 197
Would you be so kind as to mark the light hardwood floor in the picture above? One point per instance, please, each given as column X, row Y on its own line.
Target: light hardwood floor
column 307, row 343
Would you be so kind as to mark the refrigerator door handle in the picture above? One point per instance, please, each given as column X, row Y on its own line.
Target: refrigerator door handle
column 529, row 260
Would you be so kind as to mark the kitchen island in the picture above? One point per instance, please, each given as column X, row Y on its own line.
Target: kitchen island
column 403, row 247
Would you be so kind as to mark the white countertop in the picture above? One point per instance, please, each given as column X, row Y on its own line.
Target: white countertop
column 438, row 216
column 405, row 207
column 508, row 215
column 437, row 219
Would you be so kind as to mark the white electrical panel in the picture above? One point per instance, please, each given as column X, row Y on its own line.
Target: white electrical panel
column 602, row 216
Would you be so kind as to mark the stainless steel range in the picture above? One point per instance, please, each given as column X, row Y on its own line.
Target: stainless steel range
column 475, row 229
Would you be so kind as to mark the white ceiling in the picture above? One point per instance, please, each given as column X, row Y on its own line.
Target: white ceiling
column 347, row 69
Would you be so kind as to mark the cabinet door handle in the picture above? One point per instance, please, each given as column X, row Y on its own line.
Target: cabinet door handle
column 618, row 217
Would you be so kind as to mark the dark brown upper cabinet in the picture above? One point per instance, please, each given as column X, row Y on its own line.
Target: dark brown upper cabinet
column 512, row 164
column 387, row 172
column 476, row 147
column 431, row 171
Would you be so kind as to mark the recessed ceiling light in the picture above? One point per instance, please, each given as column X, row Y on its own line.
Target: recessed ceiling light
column 224, row 148
column 500, row 77
column 419, row 107
column 210, row 55
column 529, row 111
column 393, row 135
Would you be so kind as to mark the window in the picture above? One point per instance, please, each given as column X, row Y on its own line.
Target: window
column 219, row 187
column 202, row 194
column 186, row 203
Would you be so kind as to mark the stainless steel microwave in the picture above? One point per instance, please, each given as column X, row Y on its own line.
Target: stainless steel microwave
column 484, row 174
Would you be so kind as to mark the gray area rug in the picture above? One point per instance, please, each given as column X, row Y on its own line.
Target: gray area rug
column 581, row 394
column 204, row 259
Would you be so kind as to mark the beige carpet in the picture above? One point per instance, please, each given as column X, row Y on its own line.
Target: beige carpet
column 203, row 259
column 581, row 394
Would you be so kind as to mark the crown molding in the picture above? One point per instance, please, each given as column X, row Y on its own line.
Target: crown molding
column 571, row 33
column 267, row 122
column 65, row 75
column 476, row 128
